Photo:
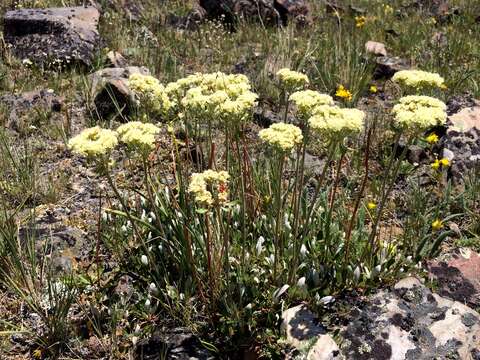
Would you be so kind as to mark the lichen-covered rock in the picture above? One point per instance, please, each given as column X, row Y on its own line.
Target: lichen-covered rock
column 458, row 278
column 53, row 36
column 411, row 323
column 463, row 140
column 303, row 332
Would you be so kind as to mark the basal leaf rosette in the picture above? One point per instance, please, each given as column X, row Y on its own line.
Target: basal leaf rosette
column 292, row 80
column 335, row 122
column 151, row 93
column 94, row 143
column 210, row 188
column 282, row 137
column 419, row 113
column 307, row 100
column 138, row 136
column 418, row 79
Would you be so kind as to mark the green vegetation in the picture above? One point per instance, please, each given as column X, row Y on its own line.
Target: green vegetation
column 217, row 224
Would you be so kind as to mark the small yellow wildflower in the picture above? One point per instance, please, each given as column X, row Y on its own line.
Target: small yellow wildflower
column 371, row 205
column 437, row 225
column 37, row 354
column 387, row 9
column 360, row 21
column 432, row 138
column 444, row 162
column 373, row 89
column 343, row 93
column 443, row 87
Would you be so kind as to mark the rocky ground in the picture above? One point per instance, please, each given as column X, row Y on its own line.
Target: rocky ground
column 431, row 316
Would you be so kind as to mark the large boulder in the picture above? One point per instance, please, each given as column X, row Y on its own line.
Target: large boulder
column 268, row 11
column 110, row 93
column 54, row 36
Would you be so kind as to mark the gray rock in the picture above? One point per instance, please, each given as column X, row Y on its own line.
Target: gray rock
column 54, row 36
column 410, row 323
column 175, row 344
column 110, row 93
column 20, row 106
column 303, row 332
column 375, row 48
column 387, row 66
column 116, row 59
column 463, row 137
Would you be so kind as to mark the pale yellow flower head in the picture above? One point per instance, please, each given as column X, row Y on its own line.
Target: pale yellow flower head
column 138, row 135
column 292, row 80
column 210, row 187
column 151, row 93
column 418, row 79
column 94, row 142
column 216, row 96
column 307, row 100
column 281, row 136
column 418, row 113
column 334, row 121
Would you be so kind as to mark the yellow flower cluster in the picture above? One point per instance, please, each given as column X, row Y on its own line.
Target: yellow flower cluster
column 227, row 97
column 444, row 162
column 94, row 142
column 418, row 79
column 210, row 187
column 292, row 80
column 437, row 225
column 307, row 100
column 418, row 113
column 432, row 138
column 151, row 92
column 283, row 137
column 343, row 93
column 334, row 121
column 360, row 21
column 138, row 135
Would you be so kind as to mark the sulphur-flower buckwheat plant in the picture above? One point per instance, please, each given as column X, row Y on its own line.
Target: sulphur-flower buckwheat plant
column 209, row 187
column 292, row 80
column 333, row 121
column 307, row 100
column 418, row 113
column 94, row 142
column 283, row 137
column 138, row 136
column 418, row 79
